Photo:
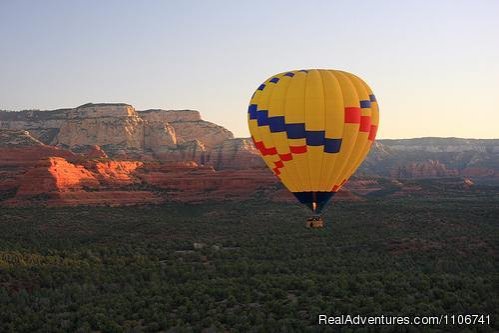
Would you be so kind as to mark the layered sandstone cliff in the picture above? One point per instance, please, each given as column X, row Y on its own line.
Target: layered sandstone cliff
column 112, row 154
column 235, row 154
column 118, row 129
column 33, row 173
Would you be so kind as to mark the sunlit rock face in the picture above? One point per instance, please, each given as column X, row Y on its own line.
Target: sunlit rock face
column 55, row 174
column 34, row 173
column 19, row 153
column 118, row 129
column 112, row 154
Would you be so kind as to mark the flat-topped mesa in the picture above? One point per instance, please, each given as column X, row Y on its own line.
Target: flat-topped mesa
column 443, row 145
column 89, row 110
column 54, row 127
column 102, row 110
column 117, row 128
column 111, row 125
column 170, row 116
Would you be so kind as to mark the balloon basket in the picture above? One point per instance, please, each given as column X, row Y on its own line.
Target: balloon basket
column 315, row 222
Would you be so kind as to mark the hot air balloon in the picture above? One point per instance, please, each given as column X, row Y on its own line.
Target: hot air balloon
column 313, row 129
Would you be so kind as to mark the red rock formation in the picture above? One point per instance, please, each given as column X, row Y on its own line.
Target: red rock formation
column 116, row 173
column 159, row 155
column 57, row 182
column 28, row 156
column 55, row 174
column 361, row 186
column 427, row 169
column 33, row 173
column 193, row 183
column 20, row 152
column 479, row 172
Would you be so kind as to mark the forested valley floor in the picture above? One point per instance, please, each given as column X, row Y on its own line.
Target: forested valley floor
column 248, row 267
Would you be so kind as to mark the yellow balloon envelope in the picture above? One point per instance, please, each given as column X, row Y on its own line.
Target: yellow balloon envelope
column 313, row 129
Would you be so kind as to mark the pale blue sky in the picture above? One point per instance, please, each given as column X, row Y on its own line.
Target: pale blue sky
column 433, row 65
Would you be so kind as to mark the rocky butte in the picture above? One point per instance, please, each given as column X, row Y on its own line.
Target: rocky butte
column 112, row 154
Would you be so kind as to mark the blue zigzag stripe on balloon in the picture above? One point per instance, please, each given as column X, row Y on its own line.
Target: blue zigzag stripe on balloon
column 294, row 131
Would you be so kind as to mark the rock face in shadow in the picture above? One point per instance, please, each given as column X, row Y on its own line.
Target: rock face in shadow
column 235, row 154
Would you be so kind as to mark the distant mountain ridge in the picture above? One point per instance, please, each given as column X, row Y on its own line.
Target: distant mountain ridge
column 437, row 144
column 433, row 157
